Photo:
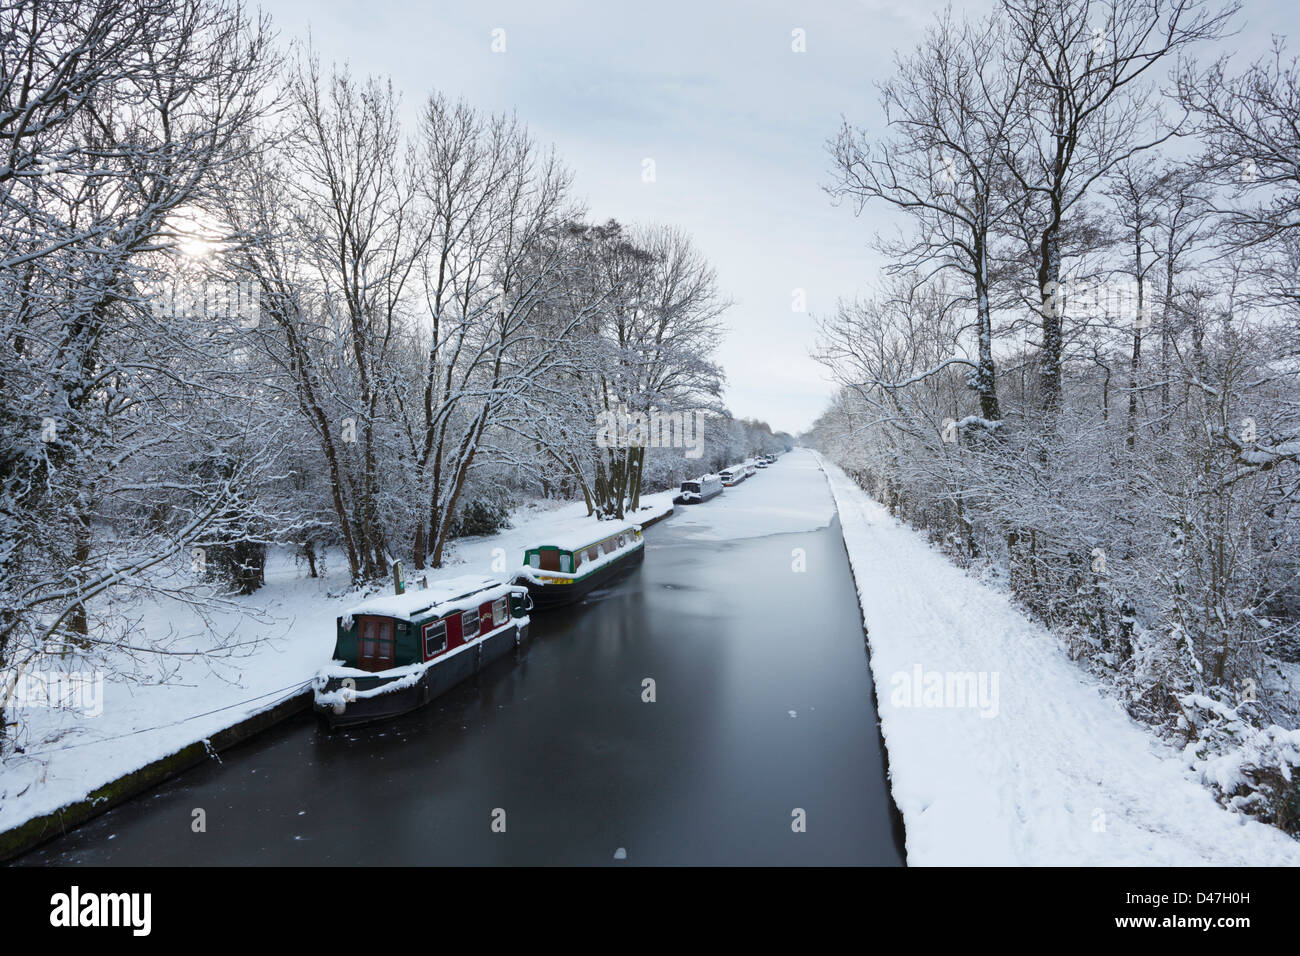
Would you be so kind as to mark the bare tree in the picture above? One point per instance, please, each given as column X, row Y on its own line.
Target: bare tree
column 652, row 348
column 498, row 260
column 1089, row 106
column 1252, row 148
column 952, row 107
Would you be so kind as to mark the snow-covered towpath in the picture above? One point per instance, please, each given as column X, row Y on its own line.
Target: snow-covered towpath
column 1049, row 771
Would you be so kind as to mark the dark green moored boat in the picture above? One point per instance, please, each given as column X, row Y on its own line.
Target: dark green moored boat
column 576, row 564
column 397, row 652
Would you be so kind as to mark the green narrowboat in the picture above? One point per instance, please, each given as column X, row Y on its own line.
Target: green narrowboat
column 573, row 565
column 397, row 652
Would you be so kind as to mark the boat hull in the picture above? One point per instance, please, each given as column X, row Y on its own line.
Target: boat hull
column 547, row 596
column 439, row 678
column 694, row 498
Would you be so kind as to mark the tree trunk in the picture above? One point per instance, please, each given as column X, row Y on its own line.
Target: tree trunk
column 1136, row 359
column 986, row 378
column 1050, row 292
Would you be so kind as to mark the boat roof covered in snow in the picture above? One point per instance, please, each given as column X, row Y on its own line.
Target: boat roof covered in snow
column 577, row 538
column 416, row 602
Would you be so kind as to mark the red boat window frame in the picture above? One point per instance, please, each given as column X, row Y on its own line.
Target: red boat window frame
column 376, row 648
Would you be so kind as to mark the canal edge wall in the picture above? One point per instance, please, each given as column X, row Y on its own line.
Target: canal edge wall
column 899, row 825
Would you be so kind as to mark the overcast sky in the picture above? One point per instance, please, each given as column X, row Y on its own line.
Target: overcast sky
column 734, row 120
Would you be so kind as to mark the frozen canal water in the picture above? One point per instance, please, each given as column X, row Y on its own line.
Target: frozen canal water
column 762, row 718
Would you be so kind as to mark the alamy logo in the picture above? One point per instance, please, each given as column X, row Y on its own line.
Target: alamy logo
column 235, row 302
column 70, row 690
column 921, row 688
column 654, row 429
column 1117, row 300
column 75, row 908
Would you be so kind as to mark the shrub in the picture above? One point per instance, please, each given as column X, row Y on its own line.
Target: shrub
column 481, row 515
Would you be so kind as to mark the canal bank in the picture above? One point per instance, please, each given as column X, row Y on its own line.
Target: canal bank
column 1050, row 770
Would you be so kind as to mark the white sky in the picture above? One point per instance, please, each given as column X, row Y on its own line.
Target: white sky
column 735, row 122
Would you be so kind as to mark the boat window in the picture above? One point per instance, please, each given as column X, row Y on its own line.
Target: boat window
column 566, row 563
column 593, row 552
column 435, row 638
column 622, row 540
column 534, row 561
column 550, row 560
column 469, row 625
column 500, row 612
column 375, row 645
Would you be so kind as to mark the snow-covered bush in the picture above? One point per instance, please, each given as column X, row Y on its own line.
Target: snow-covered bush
column 1250, row 769
column 485, row 513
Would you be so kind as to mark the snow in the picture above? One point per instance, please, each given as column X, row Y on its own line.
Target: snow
column 282, row 635
column 583, row 534
column 454, row 591
column 1055, row 773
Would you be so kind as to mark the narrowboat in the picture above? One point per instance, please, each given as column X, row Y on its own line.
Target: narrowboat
column 571, row 567
column 760, row 462
column 397, row 652
column 732, row 476
column 749, row 467
column 699, row 489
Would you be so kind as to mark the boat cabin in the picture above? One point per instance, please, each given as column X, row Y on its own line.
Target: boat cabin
column 420, row 626
column 397, row 652
column 699, row 489
column 566, row 559
column 733, row 475
column 573, row 565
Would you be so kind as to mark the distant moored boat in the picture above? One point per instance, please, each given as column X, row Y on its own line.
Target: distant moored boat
column 733, row 475
column 699, row 489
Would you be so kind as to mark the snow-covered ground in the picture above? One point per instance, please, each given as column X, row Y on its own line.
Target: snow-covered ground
column 1044, row 768
column 288, row 628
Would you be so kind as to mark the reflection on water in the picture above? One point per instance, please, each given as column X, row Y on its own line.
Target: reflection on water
column 762, row 706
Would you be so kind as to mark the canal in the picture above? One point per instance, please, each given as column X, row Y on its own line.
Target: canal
column 712, row 707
